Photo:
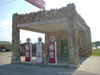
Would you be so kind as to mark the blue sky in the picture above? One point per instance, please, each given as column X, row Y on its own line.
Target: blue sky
column 88, row 9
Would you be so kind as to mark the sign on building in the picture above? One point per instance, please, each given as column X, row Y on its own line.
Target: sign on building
column 38, row 3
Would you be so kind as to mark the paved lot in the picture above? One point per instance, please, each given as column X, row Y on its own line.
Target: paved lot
column 5, row 58
column 18, row 69
column 11, row 69
column 90, row 66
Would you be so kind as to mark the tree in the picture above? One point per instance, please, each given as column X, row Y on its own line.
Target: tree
column 96, row 43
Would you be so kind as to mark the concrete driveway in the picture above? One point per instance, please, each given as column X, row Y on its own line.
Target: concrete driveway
column 21, row 69
column 90, row 66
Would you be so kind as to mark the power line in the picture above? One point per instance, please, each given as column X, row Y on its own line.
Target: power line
column 7, row 2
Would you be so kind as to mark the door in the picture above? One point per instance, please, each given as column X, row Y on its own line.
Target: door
column 64, row 48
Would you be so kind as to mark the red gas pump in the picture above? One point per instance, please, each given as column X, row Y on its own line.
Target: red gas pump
column 52, row 51
column 28, row 51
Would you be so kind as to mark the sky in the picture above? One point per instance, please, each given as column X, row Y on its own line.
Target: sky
column 88, row 9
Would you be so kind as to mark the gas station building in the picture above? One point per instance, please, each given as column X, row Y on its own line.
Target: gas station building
column 71, row 32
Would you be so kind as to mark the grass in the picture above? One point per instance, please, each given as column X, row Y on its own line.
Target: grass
column 96, row 52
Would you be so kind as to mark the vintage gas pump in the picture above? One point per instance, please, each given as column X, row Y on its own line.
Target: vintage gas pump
column 52, row 51
column 28, row 51
column 40, row 51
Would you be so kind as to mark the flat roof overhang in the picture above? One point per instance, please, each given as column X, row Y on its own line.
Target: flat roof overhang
column 46, row 26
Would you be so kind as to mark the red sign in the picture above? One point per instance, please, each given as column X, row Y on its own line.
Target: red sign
column 38, row 3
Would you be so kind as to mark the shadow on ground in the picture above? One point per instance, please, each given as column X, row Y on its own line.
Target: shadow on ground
column 82, row 59
column 19, row 69
column 22, row 69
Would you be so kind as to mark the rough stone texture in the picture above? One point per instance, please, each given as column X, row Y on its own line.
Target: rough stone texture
column 72, row 34
column 15, row 40
column 81, row 42
column 43, row 15
column 59, row 36
column 84, row 43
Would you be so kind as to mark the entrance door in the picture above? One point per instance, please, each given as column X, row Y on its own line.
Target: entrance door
column 64, row 48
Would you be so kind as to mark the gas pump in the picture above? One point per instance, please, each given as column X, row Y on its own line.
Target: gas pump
column 52, row 51
column 40, row 51
column 28, row 51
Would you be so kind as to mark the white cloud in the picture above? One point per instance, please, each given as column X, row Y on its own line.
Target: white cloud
column 6, row 25
column 5, row 30
column 5, row 37
column 6, row 22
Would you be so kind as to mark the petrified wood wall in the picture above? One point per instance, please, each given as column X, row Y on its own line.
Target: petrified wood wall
column 68, row 12
column 59, row 36
column 15, row 40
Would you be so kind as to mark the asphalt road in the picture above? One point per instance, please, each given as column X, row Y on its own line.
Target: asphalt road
column 21, row 69
column 91, row 66
column 18, row 69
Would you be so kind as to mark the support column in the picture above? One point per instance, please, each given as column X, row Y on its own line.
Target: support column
column 73, row 37
column 46, row 47
column 85, row 44
column 89, row 42
column 15, row 40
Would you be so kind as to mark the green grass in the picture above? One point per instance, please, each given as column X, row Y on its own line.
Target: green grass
column 96, row 52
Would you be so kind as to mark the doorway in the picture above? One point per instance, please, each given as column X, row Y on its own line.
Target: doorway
column 64, row 48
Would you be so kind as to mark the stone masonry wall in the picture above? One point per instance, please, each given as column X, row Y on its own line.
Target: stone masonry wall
column 45, row 15
column 59, row 36
column 68, row 12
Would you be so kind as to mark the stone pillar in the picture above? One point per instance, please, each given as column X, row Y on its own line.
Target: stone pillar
column 85, row 44
column 89, row 42
column 46, row 47
column 15, row 40
column 72, row 36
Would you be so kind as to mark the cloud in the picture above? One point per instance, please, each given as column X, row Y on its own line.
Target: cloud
column 5, row 23
column 5, row 30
